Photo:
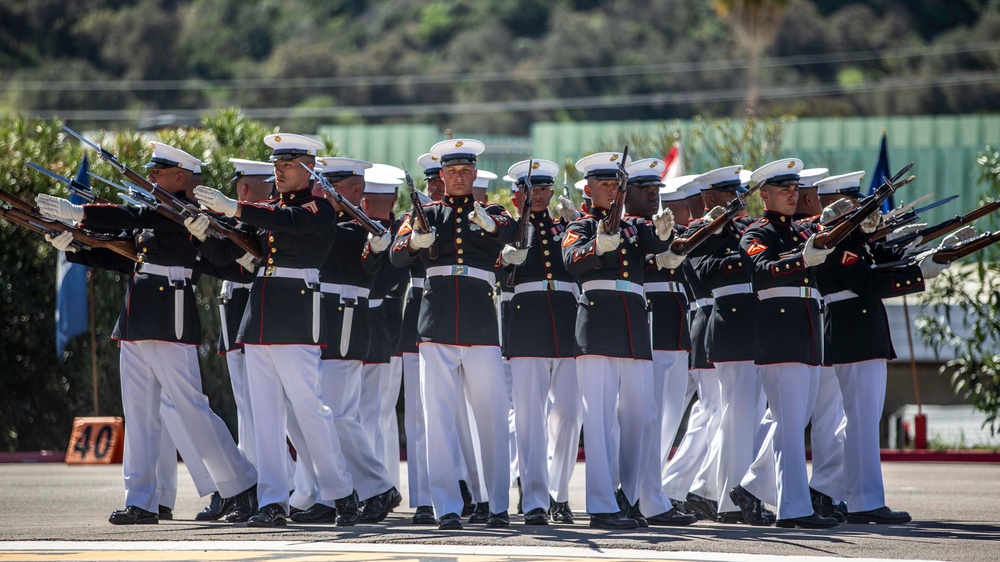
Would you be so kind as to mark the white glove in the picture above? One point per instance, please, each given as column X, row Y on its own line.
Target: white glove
column 715, row 213
column 248, row 262
column 814, row 256
column 58, row 208
column 904, row 230
column 871, row 222
column 930, row 268
column 606, row 242
column 567, row 210
column 669, row 260
column 62, row 242
column 420, row 240
column 215, row 200
column 664, row 223
column 378, row 244
column 513, row 256
column 959, row 236
column 197, row 226
column 835, row 209
column 482, row 218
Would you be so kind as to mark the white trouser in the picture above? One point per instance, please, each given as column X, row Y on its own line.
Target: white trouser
column 304, row 485
column 863, row 388
column 416, row 433
column 289, row 375
column 706, row 481
column 536, row 380
column 670, row 372
column 565, row 421
column 341, row 383
column 236, row 360
column 609, row 387
column 445, row 370
column 166, row 466
column 389, row 419
column 469, row 457
column 827, row 437
column 741, row 388
column 149, row 368
column 373, row 377
column 508, row 381
column 652, row 499
column 790, row 390
column 761, row 479
column 678, row 475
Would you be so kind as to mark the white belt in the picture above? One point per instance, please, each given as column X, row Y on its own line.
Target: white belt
column 172, row 272
column 665, row 287
column 550, row 285
column 737, row 289
column 416, row 282
column 228, row 287
column 506, row 296
column 462, row 271
column 702, row 303
column 345, row 291
column 790, row 292
column 309, row 275
column 840, row 296
column 614, row 285
column 374, row 303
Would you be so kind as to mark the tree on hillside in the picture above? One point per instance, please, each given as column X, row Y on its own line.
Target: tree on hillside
column 755, row 25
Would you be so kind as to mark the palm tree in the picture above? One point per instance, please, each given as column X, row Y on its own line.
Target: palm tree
column 755, row 25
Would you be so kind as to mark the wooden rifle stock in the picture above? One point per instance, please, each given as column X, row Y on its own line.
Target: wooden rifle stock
column 959, row 251
column 172, row 207
column 953, row 224
column 418, row 215
column 373, row 227
column 733, row 208
column 522, row 221
column 832, row 237
column 82, row 239
column 612, row 223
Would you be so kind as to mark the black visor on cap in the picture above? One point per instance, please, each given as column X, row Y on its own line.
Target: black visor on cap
column 161, row 163
column 536, row 181
column 728, row 185
column 337, row 175
column 288, row 154
column 851, row 191
column 784, row 180
column 603, row 174
column 645, row 181
column 432, row 173
column 456, row 159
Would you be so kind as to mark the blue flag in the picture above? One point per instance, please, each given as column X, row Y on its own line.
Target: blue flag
column 881, row 172
column 71, row 287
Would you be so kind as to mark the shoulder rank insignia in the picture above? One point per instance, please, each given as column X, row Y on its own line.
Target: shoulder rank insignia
column 755, row 248
column 311, row 207
column 570, row 238
column 849, row 258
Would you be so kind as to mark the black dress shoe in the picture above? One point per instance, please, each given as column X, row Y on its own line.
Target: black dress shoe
column 481, row 514
column 703, row 508
column 615, row 520
column 671, row 518
column 536, row 516
column 882, row 516
column 630, row 510
column 751, row 509
column 450, row 522
column 216, row 508
column 165, row 513
column 347, row 510
column 769, row 516
column 498, row 520
column 812, row 521
column 271, row 515
column 824, row 507
column 424, row 516
column 469, row 506
column 560, row 512
column 244, row 506
column 133, row 515
column 378, row 507
column 680, row 506
column 318, row 513
column 731, row 517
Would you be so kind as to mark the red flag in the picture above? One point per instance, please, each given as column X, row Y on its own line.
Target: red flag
column 674, row 161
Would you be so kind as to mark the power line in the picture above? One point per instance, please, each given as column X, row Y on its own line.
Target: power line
column 546, row 104
column 501, row 76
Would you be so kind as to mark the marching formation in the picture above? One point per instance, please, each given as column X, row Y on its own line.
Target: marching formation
column 509, row 337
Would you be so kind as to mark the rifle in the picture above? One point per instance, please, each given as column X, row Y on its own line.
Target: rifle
column 418, row 214
column 614, row 218
column 20, row 213
column 170, row 206
column 523, row 221
column 374, row 227
column 733, row 208
column 851, row 221
column 959, row 251
column 73, row 185
column 946, row 227
column 907, row 217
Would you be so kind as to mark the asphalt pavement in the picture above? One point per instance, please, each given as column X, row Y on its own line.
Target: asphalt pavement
column 955, row 507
